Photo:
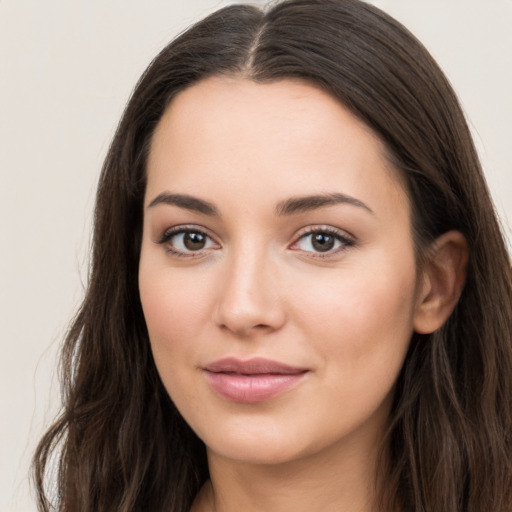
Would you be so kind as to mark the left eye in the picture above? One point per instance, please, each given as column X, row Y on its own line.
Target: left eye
column 321, row 242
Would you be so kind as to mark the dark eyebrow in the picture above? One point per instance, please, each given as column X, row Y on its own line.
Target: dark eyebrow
column 306, row 203
column 185, row 201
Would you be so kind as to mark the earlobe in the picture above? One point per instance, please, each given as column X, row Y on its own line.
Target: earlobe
column 444, row 274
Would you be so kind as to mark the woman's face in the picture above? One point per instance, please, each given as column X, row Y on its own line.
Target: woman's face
column 277, row 273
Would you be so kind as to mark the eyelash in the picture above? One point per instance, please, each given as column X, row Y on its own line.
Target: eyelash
column 181, row 230
column 344, row 240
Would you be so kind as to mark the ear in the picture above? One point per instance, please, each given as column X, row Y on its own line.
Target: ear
column 441, row 283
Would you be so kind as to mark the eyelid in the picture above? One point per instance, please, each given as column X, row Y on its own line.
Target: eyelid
column 346, row 238
column 181, row 228
column 169, row 233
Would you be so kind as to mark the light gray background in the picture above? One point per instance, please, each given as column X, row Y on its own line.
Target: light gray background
column 66, row 71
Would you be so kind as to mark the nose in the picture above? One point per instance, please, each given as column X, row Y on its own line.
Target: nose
column 249, row 300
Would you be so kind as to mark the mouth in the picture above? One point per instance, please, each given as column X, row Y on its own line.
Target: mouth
column 252, row 381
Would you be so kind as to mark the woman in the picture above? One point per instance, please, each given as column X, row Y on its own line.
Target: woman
column 299, row 295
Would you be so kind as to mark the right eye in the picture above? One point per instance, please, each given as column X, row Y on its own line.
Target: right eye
column 187, row 242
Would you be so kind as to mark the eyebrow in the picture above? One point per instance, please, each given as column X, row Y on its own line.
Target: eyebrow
column 307, row 203
column 290, row 206
column 185, row 201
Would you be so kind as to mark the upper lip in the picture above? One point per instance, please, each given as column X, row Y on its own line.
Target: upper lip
column 255, row 366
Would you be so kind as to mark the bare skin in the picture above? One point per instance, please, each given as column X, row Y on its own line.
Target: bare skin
column 275, row 228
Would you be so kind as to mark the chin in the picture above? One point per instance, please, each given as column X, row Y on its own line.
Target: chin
column 257, row 454
column 254, row 444
column 265, row 444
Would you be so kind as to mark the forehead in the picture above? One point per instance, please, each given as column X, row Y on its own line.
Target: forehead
column 225, row 134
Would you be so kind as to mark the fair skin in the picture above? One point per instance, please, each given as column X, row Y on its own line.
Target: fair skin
column 326, row 286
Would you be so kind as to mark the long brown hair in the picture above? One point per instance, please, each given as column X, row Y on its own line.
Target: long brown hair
column 121, row 445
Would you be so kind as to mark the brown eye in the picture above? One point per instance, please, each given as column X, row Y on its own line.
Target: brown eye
column 322, row 242
column 194, row 241
column 185, row 242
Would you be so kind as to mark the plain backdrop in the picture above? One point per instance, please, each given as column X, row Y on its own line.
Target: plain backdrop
column 66, row 71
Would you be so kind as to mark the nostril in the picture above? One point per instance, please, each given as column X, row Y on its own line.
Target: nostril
column 247, row 304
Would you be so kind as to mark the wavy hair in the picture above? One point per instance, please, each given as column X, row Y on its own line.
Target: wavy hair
column 119, row 442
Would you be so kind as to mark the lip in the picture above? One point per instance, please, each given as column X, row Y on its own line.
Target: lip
column 252, row 381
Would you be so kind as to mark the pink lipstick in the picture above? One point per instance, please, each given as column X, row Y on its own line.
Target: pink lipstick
column 252, row 381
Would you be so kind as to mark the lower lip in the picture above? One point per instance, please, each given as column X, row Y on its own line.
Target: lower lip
column 251, row 389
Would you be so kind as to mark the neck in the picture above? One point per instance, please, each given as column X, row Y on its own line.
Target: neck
column 342, row 478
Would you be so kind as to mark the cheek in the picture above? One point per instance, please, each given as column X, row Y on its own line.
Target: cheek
column 361, row 316
column 173, row 319
column 174, row 306
column 360, row 325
